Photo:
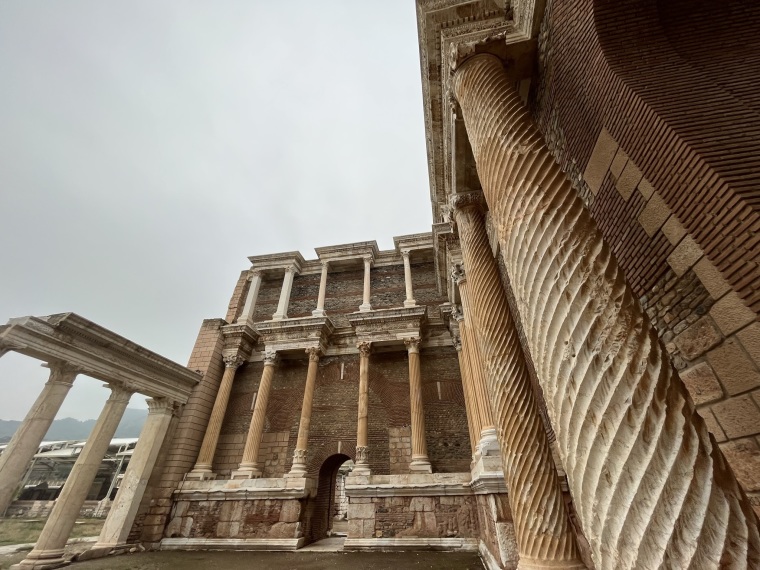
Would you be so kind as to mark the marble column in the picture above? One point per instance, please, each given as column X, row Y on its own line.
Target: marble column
column 542, row 526
column 464, row 372
column 27, row 438
column 49, row 550
column 366, row 305
column 420, row 462
column 249, row 467
column 287, row 286
column 647, row 480
column 488, row 443
column 320, row 310
column 120, row 518
column 362, row 446
column 202, row 469
column 246, row 317
column 409, row 302
column 299, row 455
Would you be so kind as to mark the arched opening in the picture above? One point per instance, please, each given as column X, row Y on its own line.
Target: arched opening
column 323, row 507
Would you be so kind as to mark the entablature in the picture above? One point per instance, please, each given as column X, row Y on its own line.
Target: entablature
column 296, row 334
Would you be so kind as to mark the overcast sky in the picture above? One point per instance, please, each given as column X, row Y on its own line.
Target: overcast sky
column 148, row 147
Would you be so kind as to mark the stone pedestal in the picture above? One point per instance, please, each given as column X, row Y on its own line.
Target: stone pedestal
column 203, row 466
column 124, row 509
column 26, row 441
column 49, row 550
column 299, row 455
column 420, row 462
column 249, row 468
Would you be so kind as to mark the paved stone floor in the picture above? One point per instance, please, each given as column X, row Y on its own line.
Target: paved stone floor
column 284, row 560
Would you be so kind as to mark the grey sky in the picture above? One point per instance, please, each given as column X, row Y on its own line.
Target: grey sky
column 148, row 147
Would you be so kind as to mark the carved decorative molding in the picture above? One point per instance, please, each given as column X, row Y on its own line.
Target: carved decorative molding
column 364, row 348
column 313, row 353
column 412, row 344
column 233, row 360
column 458, row 274
column 270, row 357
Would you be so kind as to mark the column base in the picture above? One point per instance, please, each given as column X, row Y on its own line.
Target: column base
column 277, row 317
column 318, row 313
column 200, row 475
column 365, row 308
column 420, row 465
column 298, row 471
column 489, row 443
column 410, row 303
column 360, row 470
column 43, row 560
column 246, row 472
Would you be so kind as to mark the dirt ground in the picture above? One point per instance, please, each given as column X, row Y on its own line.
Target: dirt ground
column 19, row 531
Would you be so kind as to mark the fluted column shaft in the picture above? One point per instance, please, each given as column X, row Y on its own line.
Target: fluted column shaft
column 299, row 455
column 650, row 487
column 362, row 446
column 420, row 462
column 249, row 467
column 320, row 310
column 27, row 438
column 48, row 552
column 118, row 524
column 541, row 523
column 205, row 459
column 469, row 399
column 246, row 317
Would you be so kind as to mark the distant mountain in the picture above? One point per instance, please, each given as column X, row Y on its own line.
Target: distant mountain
column 69, row 428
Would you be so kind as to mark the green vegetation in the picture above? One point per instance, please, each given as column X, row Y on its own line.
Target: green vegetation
column 21, row 531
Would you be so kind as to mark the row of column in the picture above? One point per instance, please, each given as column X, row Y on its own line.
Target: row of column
column 247, row 315
column 250, row 468
column 49, row 550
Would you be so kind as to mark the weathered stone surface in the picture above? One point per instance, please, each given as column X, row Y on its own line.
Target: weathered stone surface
column 712, row 424
column 731, row 314
column 744, row 456
column 359, row 511
column 291, row 511
column 702, row 384
column 739, row 416
column 750, row 339
column 697, row 339
column 711, row 278
column 685, row 255
column 284, row 530
column 673, row 230
column 734, row 368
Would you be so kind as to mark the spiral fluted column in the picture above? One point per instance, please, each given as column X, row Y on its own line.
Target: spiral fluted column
column 651, row 488
column 542, row 527
column 202, row 468
column 362, row 450
column 249, row 467
column 473, row 422
column 420, row 462
column 299, row 455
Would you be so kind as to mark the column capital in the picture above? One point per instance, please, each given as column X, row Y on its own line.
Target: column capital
column 270, row 357
column 121, row 393
column 364, row 348
column 233, row 360
column 456, row 340
column 325, row 263
column 368, row 259
column 412, row 344
column 464, row 201
column 457, row 314
column 313, row 353
column 406, row 253
column 254, row 273
column 458, row 274
column 160, row 406
column 62, row 372
column 291, row 269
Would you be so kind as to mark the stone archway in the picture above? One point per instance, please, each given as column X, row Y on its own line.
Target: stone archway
column 319, row 511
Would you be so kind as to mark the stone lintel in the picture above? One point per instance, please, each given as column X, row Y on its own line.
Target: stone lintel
column 296, row 334
column 239, row 340
column 246, row 489
column 388, row 325
column 232, row 543
column 409, row 485
column 276, row 263
column 99, row 353
column 413, row 242
column 350, row 252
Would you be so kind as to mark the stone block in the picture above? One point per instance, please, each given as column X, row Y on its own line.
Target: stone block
column 654, row 214
column 628, row 181
column 291, row 511
column 712, row 424
column 422, row 504
column 599, row 163
column 646, row 188
column 618, row 163
column 731, row 314
column 684, row 256
column 284, row 530
column 738, row 416
column 744, row 457
column 697, row 339
column 750, row 339
column 355, row 528
column 702, row 383
column 673, row 230
column 711, row 278
column 361, row 511
column 733, row 367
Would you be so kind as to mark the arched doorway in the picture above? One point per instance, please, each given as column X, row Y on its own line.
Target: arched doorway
column 324, row 511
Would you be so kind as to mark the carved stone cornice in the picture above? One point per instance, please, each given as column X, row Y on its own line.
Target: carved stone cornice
column 238, row 340
column 388, row 325
column 458, row 274
column 99, row 353
column 296, row 334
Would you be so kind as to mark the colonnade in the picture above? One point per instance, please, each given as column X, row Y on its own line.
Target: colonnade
column 255, row 277
column 49, row 549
